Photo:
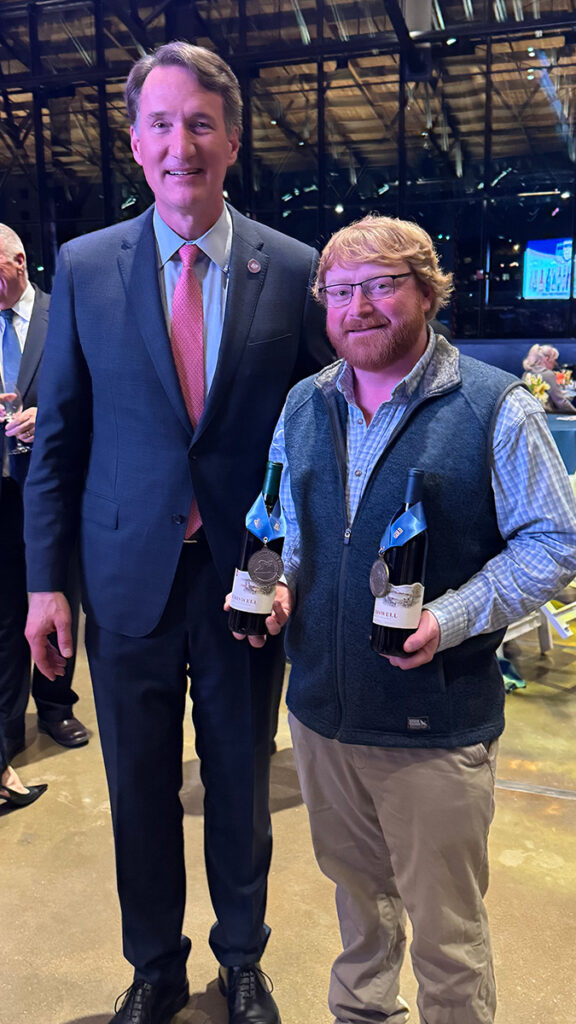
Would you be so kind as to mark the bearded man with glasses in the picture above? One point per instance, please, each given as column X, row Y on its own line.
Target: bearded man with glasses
column 396, row 755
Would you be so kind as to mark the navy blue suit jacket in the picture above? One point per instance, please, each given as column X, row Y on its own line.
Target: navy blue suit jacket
column 116, row 458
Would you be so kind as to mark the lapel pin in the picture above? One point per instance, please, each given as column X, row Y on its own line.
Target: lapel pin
column 254, row 267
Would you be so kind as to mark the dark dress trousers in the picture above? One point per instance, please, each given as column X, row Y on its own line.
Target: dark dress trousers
column 53, row 700
column 116, row 464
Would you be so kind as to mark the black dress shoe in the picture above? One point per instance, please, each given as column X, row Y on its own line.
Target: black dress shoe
column 249, row 1000
column 68, row 732
column 12, row 796
column 150, row 1004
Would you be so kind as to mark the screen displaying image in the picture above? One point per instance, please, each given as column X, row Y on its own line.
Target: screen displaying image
column 547, row 264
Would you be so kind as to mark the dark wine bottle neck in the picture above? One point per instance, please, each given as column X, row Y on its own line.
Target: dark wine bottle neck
column 414, row 487
column 271, row 485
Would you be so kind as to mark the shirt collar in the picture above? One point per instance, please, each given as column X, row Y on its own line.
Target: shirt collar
column 214, row 243
column 25, row 303
column 404, row 389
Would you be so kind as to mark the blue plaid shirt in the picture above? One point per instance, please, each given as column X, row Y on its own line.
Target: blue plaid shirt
column 535, row 507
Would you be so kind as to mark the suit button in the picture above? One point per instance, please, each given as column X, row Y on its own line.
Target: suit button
column 178, row 520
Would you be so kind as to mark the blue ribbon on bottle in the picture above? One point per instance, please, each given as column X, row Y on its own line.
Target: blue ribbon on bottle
column 266, row 526
column 408, row 525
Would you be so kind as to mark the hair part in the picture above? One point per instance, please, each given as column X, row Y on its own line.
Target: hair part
column 212, row 72
column 536, row 356
column 388, row 240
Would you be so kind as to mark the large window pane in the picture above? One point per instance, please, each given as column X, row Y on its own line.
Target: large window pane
column 281, row 23
column 532, row 139
column 361, row 120
column 212, row 23
column 66, row 37
column 445, row 125
column 285, row 148
column 344, row 21
column 73, row 160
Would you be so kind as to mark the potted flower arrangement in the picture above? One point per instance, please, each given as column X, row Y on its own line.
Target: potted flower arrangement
column 538, row 387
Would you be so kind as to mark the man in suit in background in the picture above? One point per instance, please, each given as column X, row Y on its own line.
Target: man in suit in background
column 173, row 340
column 23, row 325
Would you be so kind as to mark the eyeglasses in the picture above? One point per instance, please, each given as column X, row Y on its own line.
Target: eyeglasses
column 374, row 289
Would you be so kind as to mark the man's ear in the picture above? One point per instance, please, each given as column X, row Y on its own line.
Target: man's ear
column 135, row 144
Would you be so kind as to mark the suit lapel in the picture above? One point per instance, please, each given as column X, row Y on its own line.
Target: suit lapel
column 248, row 267
column 34, row 344
column 138, row 262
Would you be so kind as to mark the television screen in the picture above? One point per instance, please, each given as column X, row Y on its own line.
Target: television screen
column 547, row 264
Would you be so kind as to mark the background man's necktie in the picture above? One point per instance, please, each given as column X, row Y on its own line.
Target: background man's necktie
column 187, row 339
column 11, row 354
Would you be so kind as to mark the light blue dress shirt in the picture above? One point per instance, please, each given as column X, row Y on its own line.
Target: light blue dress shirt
column 211, row 268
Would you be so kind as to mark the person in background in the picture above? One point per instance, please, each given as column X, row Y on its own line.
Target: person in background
column 23, row 325
column 542, row 361
column 397, row 755
column 161, row 387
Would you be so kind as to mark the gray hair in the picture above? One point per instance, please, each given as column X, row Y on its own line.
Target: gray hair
column 10, row 241
column 211, row 71
column 536, row 356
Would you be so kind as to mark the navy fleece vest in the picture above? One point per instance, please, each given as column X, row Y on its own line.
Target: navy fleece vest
column 338, row 686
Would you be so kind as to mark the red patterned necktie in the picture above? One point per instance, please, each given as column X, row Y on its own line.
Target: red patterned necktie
column 187, row 339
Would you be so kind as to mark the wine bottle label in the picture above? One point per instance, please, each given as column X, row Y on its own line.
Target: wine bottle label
column 400, row 608
column 265, row 567
column 247, row 596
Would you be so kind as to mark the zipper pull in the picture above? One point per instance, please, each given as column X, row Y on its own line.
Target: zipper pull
column 347, row 534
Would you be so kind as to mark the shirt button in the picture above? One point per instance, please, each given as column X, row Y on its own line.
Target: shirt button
column 357, row 472
column 360, row 420
column 178, row 520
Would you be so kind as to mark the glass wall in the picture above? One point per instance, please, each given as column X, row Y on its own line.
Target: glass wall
column 466, row 126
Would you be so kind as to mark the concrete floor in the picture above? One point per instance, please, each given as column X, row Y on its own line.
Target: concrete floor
column 61, row 961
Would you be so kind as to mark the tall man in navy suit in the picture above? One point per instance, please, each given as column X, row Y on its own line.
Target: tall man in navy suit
column 23, row 325
column 119, row 465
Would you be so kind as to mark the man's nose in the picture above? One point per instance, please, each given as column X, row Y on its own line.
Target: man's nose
column 181, row 142
column 359, row 303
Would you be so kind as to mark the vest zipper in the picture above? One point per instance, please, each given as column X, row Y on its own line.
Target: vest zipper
column 340, row 630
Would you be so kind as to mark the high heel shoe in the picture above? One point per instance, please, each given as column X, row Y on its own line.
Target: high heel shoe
column 11, row 796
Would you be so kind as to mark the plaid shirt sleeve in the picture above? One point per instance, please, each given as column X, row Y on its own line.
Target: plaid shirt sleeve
column 536, row 513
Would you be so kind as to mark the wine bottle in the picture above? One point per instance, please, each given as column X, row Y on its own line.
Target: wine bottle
column 401, row 565
column 260, row 565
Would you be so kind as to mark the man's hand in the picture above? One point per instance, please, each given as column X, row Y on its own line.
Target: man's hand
column 421, row 646
column 281, row 611
column 22, row 425
column 49, row 613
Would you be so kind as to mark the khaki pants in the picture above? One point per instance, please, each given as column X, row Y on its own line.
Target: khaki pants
column 404, row 830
